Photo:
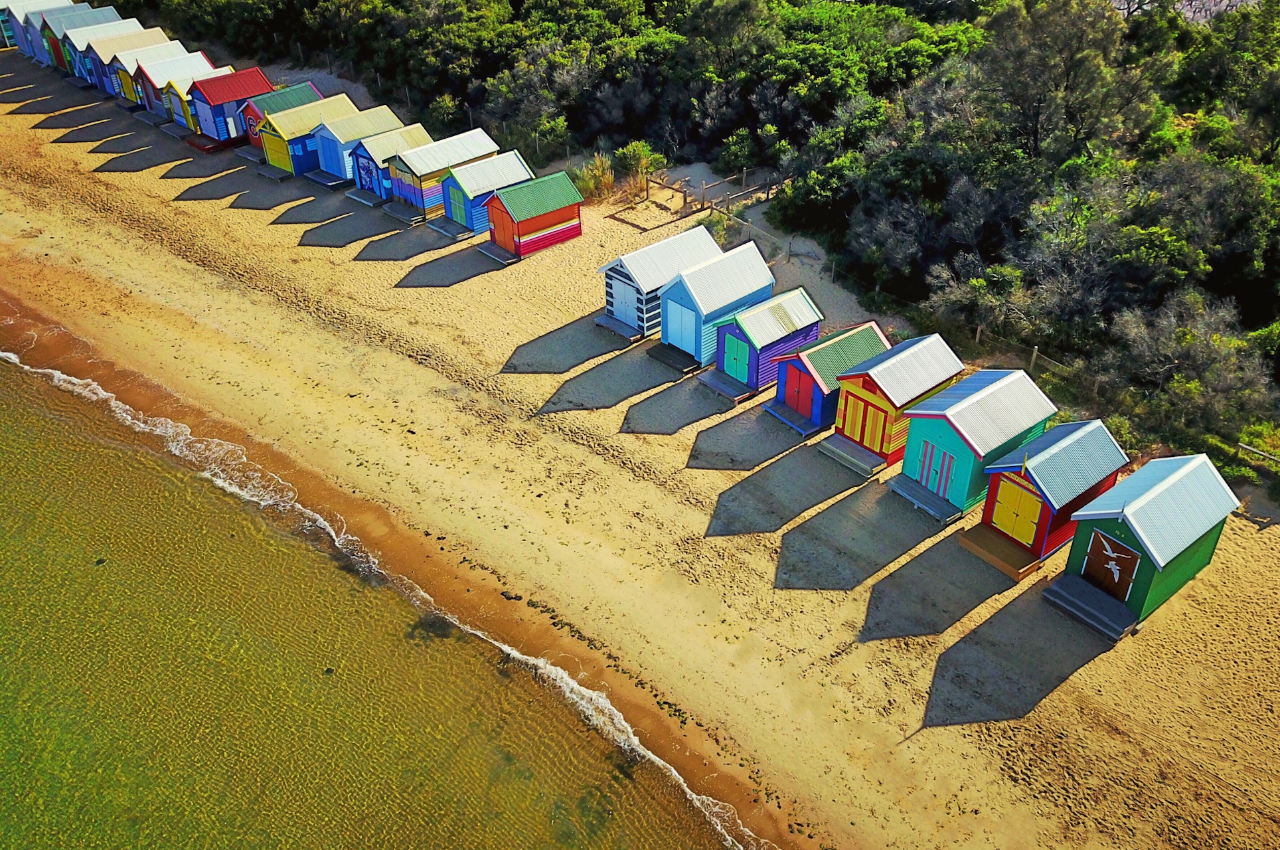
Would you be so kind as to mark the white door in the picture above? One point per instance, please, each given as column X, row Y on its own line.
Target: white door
column 679, row 323
column 624, row 303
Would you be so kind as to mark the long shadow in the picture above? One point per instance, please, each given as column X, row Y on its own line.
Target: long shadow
column 18, row 94
column 564, row 348
column 771, row 497
column 405, row 245
column 679, row 405
column 99, row 131
column 1007, row 666
column 610, row 383
column 204, row 167
column 851, row 541
column 742, row 442
column 361, row 224
column 930, row 593
column 223, row 186
column 141, row 160
column 68, row 98
column 323, row 206
column 129, row 141
column 449, row 270
column 267, row 194
column 90, row 113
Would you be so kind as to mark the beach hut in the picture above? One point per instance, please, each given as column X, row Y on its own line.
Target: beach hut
column 151, row 76
column 467, row 187
column 289, row 137
column 16, row 21
column 871, row 431
column 748, row 341
column 177, row 97
column 1141, row 541
column 216, row 101
column 125, row 63
column 417, row 172
column 808, row 377
column 35, row 28
column 255, row 108
column 954, row 433
column 632, row 283
column 337, row 138
column 535, row 215
column 699, row 296
column 55, row 26
column 103, row 49
column 371, row 161
column 75, row 44
column 1034, row 490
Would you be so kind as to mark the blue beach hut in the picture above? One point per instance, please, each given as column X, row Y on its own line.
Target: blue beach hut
column 467, row 187
column 699, row 296
column 371, row 158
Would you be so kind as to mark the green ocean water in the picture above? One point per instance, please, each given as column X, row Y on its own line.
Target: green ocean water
column 177, row 670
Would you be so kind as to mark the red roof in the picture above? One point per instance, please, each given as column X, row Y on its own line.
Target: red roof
column 241, row 85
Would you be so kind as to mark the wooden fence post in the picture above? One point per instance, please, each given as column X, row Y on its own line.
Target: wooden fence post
column 1097, row 382
column 977, row 337
column 1035, row 352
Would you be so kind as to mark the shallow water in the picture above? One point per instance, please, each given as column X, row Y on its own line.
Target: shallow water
column 177, row 670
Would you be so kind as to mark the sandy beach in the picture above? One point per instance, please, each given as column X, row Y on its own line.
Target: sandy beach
column 795, row 640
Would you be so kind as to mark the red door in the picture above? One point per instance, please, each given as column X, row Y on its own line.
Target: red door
column 799, row 391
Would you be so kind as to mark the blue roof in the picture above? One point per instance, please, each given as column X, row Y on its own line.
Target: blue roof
column 1065, row 461
column 1169, row 504
column 989, row 408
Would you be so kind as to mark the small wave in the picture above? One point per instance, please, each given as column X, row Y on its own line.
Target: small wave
column 228, row 467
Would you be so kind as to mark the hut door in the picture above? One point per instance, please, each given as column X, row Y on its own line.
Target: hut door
column 736, row 358
column 624, row 303
column 457, row 207
column 1017, row 512
column 368, row 175
column 799, row 391
column 875, row 428
column 1110, row 565
column 935, row 468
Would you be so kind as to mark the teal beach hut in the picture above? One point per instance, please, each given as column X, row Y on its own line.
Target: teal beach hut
column 957, row 432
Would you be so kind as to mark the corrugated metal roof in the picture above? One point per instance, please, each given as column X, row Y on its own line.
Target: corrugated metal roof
column 129, row 59
column 386, row 145
column 1066, row 460
column 989, row 407
column 183, row 85
column 108, row 47
column 18, row 12
column 160, row 73
column 833, row 355
column 496, row 172
column 653, row 266
column 81, row 36
column 449, row 152
column 370, row 122
column 59, row 25
column 37, row 17
column 241, row 85
column 1169, row 504
column 536, row 197
column 302, row 120
column 722, row 280
column 769, row 321
column 298, row 94
column 910, row 369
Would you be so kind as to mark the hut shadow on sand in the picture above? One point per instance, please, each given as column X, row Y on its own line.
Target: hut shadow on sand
column 851, row 541
column 567, row 347
column 1008, row 665
column 742, row 442
column 100, row 130
column 146, row 158
column 610, row 383
column 320, row 206
column 361, row 224
column 78, row 116
column 449, row 270
column 769, row 498
column 404, row 245
column 205, row 167
column 676, row 407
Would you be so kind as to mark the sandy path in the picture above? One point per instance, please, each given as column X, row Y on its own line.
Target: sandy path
column 849, row 657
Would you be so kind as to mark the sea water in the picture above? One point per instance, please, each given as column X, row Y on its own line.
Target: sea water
column 179, row 669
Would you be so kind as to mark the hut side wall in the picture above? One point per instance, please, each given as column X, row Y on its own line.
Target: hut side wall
column 763, row 370
column 1180, row 570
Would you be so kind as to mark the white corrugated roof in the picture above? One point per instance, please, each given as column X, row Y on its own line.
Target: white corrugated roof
column 1169, row 504
column 449, row 152
column 183, row 85
column 369, row 122
column 911, row 368
column 17, row 12
column 989, row 407
column 81, row 36
column 108, row 46
column 302, row 120
column 496, row 172
column 653, row 266
column 1067, row 460
column 769, row 321
column 722, row 280
column 129, row 59
column 34, row 15
column 386, row 145
column 160, row 73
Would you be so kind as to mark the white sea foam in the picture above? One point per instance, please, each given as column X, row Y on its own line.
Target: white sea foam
column 227, row 467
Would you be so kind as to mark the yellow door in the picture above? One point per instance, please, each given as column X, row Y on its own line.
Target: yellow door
column 277, row 151
column 875, row 428
column 1017, row 511
column 126, row 85
column 853, row 419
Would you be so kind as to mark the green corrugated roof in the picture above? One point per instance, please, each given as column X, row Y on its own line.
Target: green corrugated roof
column 832, row 356
column 532, row 199
column 278, row 101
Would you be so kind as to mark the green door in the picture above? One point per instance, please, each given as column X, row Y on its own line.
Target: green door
column 736, row 358
column 456, row 206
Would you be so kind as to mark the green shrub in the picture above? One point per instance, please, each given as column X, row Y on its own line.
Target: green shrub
column 1237, row 474
column 595, row 180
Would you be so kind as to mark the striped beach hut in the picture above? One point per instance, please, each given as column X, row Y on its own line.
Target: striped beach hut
column 809, row 377
column 416, row 173
column 216, row 102
column 151, row 77
column 956, row 432
column 697, row 297
column 1034, row 490
column 748, row 341
column 103, row 49
column 371, row 158
column 75, row 44
column 124, row 64
column 289, row 137
column 633, row 282
column 1140, row 542
column 177, row 97
column 255, row 108
column 467, row 187
column 337, row 138
column 532, row 216
column 56, row 26
column 15, row 21
column 35, row 28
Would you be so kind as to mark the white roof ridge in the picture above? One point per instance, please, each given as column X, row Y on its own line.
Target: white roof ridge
column 1164, row 484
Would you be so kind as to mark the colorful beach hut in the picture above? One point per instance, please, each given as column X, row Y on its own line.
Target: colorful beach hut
column 103, row 49
column 870, row 429
column 1140, row 542
column 371, row 161
column 35, row 29
column 177, row 97
column 808, row 377
column 289, row 137
column 748, row 341
column 699, row 296
column 416, row 173
column 633, row 282
column 467, row 187
column 255, row 108
column 75, row 44
column 151, row 77
column 16, row 21
column 535, row 215
column 216, row 102
column 956, row 432
column 124, row 64
column 55, row 26
column 1034, row 490
column 337, row 138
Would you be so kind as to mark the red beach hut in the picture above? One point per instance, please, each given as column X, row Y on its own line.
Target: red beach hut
column 531, row 216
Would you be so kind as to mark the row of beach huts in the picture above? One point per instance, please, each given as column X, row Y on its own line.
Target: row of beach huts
column 980, row 441
column 461, row 186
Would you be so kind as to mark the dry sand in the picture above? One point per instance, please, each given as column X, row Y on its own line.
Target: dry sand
column 868, row 680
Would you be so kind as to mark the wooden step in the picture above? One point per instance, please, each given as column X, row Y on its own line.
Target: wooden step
column 858, row 458
column 1000, row 552
column 1097, row 609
